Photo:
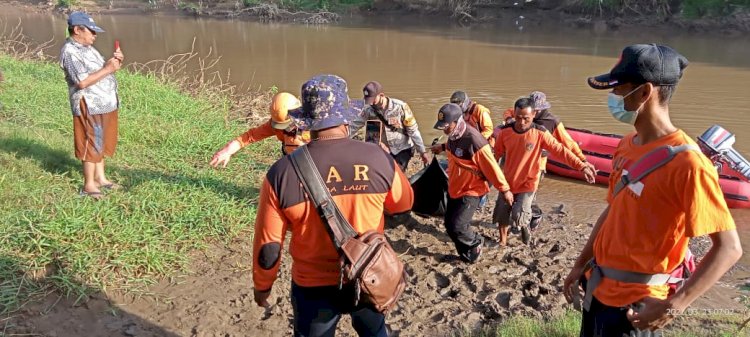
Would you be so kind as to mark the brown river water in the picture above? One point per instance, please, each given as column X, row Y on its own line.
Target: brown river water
column 424, row 64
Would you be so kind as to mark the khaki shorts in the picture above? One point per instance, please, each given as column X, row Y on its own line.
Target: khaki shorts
column 94, row 136
column 517, row 215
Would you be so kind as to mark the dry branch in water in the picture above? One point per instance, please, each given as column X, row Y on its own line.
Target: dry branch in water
column 14, row 44
column 196, row 75
column 272, row 12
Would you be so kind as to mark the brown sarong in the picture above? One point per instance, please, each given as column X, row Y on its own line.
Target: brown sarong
column 95, row 136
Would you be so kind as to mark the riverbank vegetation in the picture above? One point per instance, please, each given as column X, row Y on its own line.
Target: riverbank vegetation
column 51, row 239
column 701, row 15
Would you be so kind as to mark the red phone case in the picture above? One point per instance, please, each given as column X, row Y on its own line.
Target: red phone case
column 117, row 44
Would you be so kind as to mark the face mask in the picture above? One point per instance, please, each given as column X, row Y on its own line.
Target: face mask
column 616, row 104
column 465, row 105
column 376, row 106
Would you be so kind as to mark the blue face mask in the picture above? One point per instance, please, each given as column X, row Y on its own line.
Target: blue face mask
column 616, row 104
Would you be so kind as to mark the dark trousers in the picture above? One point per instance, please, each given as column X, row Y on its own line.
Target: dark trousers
column 317, row 311
column 458, row 217
column 604, row 321
column 402, row 158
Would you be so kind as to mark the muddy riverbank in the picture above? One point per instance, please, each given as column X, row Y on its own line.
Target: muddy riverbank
column 444, row 295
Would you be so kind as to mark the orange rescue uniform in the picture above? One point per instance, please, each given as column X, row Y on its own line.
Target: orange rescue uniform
column 558, row 132
column 478, row 117
column 522, row 151
column 471, row 165
column 265, row 130
column 650, row 222
column 364, row 181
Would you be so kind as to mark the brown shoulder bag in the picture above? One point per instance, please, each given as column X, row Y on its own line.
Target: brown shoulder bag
column 367, row 260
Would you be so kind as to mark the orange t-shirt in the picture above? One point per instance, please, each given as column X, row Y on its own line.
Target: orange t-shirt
column 265, row 130
column 522, row 151
column 650, row 222
column 559, row 133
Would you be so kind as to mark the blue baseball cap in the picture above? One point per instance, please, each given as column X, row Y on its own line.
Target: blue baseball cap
column 325, row 103
column 83, row 19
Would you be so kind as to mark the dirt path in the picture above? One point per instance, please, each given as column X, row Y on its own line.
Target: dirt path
column 444, row 294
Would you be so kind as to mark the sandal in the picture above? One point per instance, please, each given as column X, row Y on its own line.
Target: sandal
column 111, row 186
column 93, row 195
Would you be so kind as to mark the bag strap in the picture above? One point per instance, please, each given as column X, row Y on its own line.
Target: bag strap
column 599, row 272
column 649, row 163
column 338, row 227
column 385, row 122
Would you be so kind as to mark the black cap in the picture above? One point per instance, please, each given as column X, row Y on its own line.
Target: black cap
column 447, row 114
column 371, row 90
column 641, row 63
column 458, row 97
column 462, row 99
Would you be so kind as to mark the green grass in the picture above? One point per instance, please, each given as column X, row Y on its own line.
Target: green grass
column 690, row 9
column 67, row 3
column 173, row 202
column 568, row 324
column 565, row 325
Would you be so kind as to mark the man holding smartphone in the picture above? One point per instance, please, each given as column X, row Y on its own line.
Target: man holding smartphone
column 92, row 89
column 398, row 124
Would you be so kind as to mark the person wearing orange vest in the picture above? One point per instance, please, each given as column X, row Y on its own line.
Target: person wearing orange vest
column 470, row 166
column 521, row 143
column 281, row 125
column 475, row 114
column 552, row 123
column 643, row 235
column 364, row 181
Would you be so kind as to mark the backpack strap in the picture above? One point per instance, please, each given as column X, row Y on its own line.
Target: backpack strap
column 650, row 162
column 338, row 227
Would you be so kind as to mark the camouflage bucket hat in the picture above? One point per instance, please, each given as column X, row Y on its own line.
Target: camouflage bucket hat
column 540, row 100
column 325, row 103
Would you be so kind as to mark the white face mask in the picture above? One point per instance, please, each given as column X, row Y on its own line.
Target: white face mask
column 616, row 104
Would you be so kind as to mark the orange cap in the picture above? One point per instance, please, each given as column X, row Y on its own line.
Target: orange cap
column 281, row 103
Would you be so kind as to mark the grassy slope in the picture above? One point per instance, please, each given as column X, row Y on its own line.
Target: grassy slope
column 173, row 202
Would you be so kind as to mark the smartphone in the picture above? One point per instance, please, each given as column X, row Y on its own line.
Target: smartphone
column 117, row 44
column 374, row 131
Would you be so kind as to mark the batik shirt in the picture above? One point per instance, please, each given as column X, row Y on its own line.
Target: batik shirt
column 78, row 62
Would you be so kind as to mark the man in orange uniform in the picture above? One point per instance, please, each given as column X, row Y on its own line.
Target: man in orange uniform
column 470, row 166
column 364, row 181
column 475, row 114
column 545, row 118
column 647, row 226
column 281, row 125
column 521, row 143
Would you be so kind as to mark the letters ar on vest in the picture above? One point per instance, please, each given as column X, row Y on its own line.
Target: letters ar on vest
column 360, row 174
